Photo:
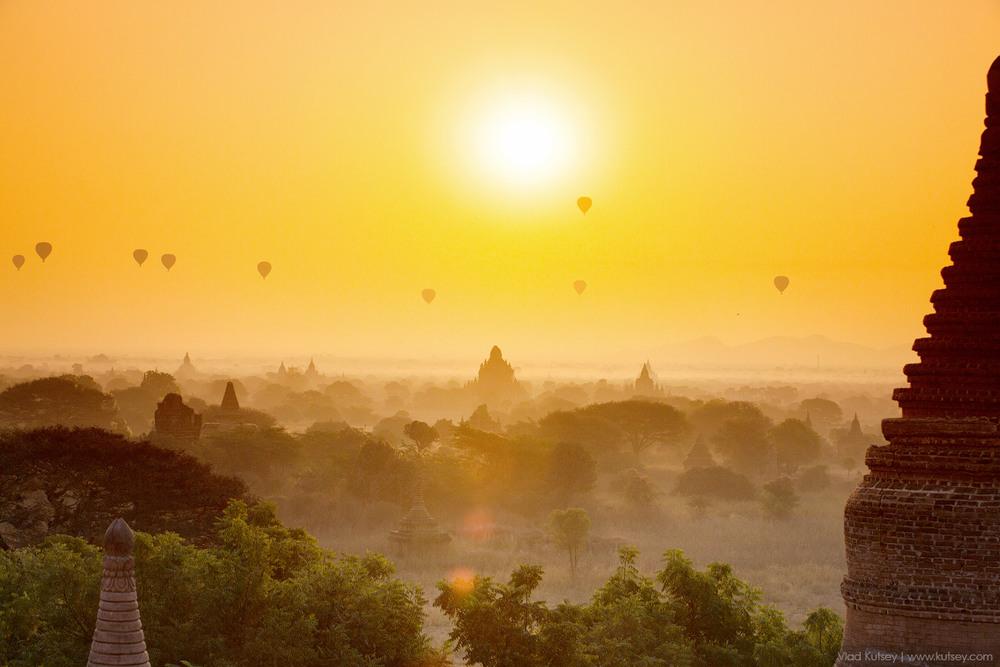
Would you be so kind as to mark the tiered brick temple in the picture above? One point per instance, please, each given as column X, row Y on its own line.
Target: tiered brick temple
column 923, row 529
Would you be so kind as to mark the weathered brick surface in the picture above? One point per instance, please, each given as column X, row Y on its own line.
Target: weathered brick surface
column 922, row 530
column 866, row 632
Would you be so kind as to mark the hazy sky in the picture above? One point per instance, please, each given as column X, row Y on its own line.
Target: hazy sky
column 369, row 150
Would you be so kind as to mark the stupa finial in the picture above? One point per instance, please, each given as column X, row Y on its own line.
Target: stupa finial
column 118, row 538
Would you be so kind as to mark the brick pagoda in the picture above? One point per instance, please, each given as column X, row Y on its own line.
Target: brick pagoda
column 923, row 529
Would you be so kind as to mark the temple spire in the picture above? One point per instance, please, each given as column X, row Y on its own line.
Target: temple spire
column 118, row 639
column 922, row 530
column 959, row 370
column 229, row 401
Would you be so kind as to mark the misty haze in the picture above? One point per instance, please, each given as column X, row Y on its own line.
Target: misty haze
column 429, row 334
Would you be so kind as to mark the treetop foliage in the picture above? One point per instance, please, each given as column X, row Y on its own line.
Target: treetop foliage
column 264, row 595
column 68, row 401
column 682, row 616
column 79, row 480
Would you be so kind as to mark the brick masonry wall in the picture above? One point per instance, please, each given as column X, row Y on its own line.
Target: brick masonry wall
column 922, row 533
column 868, row 633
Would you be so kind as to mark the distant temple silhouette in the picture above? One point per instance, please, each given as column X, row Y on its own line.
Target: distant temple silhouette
column 186, row 370
column 175, row 419
column 922, row 530
column 699, row 456
column 230, row 404
column 645, row 385
column 418, row 531
column 495, row 383
column 229, row 415
column 854, row 443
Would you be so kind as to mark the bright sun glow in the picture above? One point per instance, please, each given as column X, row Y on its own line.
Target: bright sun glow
column 525, row 142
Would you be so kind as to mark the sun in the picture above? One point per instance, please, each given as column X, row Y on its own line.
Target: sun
column 525, row 141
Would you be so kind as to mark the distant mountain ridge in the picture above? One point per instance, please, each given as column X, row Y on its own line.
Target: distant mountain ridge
column 778, row 351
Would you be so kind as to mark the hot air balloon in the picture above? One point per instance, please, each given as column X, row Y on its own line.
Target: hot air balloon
column 579, row 286
column 140, row 255
column 18, row 261
column 168, row 260
column 428, row 295
column 263, row 269
column 584, row 204
column 781, row 282
column 43, row 249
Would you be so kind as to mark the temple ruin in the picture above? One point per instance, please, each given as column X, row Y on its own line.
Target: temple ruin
column 175, row 419
column 922, row 530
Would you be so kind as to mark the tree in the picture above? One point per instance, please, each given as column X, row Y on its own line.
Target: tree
column 699, row 619
column 157, row 385
column 570, row 528
column 715, row 609
column 264, row 457
column 823, row 412
column 571, row 472
column 594, row 432
column 265, row 594
column 138, row 404
column 825, row 631
column 53, row 401
column 744, row 438
column 714, row 482
column 813, row 479
column 709, row 417
column 497, row 625
column 422, row 434
column 642, row 423
column 88, row 477
column 379, row 473
column 780, row 498
column 48, row 602
column 637, row 489
column 795, row 444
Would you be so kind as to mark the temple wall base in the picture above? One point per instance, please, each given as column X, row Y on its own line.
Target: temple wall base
column 872, row 638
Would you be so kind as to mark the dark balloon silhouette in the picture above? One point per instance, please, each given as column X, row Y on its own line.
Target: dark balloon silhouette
column 43, row 249
column 263, row 269
column 579, row 286
column 781, row 282
column 168, row 260
column 18, row 261
column 584, row 204
column 140, row 256
column 428, row 295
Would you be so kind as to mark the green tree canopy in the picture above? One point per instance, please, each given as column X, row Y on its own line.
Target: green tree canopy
column 715, row 482
column 681, row 617
column 264, row 595
column 571, row 472
column 795, row 444
column 422, row 434
column 570, row 529
column 780, row 498
column 642, row 423
column 88, row 477
column 744, row 438
column 67, row 401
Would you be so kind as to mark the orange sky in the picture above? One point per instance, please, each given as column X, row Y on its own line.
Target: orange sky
column 722, row 145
